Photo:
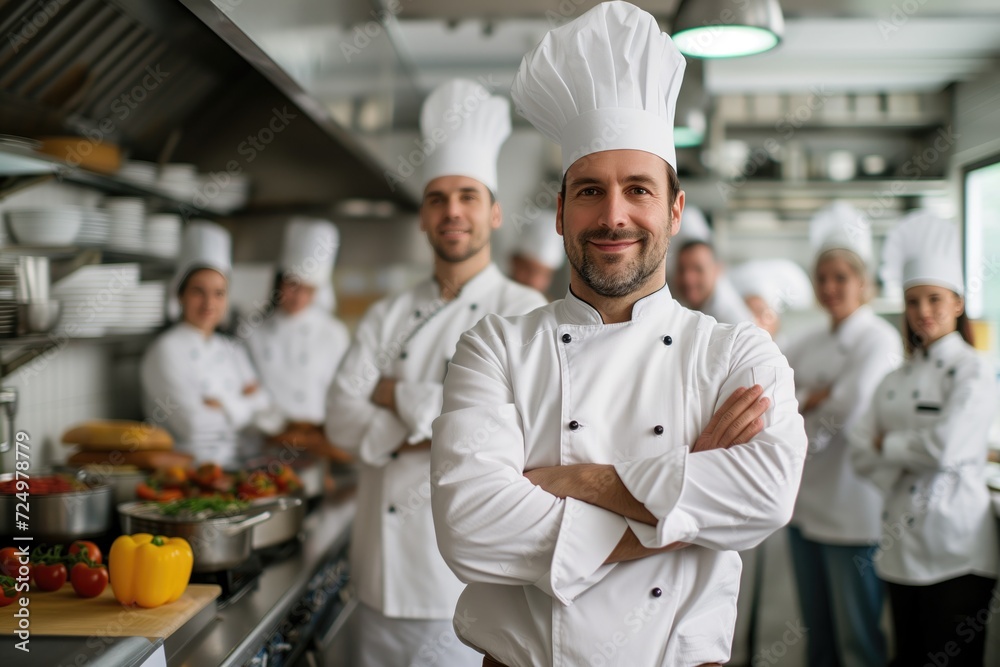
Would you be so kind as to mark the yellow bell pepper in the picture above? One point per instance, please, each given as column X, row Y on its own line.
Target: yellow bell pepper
column 149, row 571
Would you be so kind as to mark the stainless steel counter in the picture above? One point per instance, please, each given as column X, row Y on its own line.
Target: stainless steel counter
column 240, row 629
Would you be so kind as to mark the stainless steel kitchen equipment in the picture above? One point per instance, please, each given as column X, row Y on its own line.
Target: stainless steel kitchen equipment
column 61, row 517
column 287, row 515
column 219, row 543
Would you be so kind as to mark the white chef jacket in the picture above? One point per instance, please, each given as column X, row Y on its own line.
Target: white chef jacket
column 180, row 370
column 558, row 387
column 726, row 305
column 935, row 412
column 836, row 506
column 297, row 357
column 410, row 337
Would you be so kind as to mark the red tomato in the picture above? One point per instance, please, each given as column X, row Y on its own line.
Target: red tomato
column 92, row 552
column 10, row 562
column 7, row 592
column 50, row 577
column 88, row 582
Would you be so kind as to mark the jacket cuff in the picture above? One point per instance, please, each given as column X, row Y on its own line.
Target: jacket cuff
column 418, row 404
column 587, row 536
column 896, row 446
column 658, row 484
column 384, row 436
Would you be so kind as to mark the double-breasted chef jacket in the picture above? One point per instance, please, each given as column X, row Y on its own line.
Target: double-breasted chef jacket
column 836, row 505
column 297, row 357
column 558, row 387
column 935, row 413
column 411, row 337
column 180, row 370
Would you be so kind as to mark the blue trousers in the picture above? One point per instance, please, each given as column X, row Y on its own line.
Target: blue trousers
column 841, row 603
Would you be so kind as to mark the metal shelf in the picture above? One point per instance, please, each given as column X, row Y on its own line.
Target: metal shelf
column 25, row 349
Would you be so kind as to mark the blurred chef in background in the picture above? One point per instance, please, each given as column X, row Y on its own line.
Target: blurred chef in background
column 538, row 253
column 198, row 384
column 388, row 390
column 924, row 442
column 769, row 287
column 696, row 276
column 837, row 516
column 298, row 348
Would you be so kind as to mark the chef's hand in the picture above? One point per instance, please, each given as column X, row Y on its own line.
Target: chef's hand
column 213, row 403
column 736, row 422
column 251, row 388
column 385, row 394
column 816, row 399
column 630, row 548
column 878, row 442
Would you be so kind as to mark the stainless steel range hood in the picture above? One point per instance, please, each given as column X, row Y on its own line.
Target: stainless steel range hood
column 179, row 79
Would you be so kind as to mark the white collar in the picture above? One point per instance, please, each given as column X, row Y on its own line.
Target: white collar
column 575, row 310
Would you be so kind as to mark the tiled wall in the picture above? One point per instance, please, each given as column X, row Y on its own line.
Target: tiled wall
column 82, row 380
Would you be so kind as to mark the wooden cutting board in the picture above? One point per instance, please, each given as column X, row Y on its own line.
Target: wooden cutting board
column 62, row 612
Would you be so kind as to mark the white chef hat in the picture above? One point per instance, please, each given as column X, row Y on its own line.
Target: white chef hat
column 539, row 240
column 694, row 227
column 840, row 226
column 782, row 283
column 922, row 249
column 204, row 245
column 465, row 126
column 310, row 250
column 607, row 80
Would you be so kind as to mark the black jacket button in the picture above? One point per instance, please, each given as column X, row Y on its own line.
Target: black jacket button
column 402, row 355
column 473, row 306
column 656, row 592
column 566, row 338
column 392, row 509
column 667, row 340
column 658, row 430
column 573, row 425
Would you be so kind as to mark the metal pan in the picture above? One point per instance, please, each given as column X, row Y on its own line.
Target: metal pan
column 219, row 543
column 287, row 515
column 60, row 517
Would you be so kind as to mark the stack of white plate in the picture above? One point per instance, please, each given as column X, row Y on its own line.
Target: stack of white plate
column 143, row 308
column 223, row 192
column 179, row 180
column 96, row 228
column 49, row 226
column 128, row 223
column 94, row 298
column 139, row 172
column 8, row 296
column 163, row 235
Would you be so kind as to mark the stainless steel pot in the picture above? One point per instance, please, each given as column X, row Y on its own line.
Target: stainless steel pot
column 219, row 543
column 287, row 515
column 59, row 517
column 123, row 481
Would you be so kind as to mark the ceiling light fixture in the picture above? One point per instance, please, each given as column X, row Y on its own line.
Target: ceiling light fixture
column 727, row 29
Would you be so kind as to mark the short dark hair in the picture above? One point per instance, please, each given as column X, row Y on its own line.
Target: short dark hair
column 673, row 185
column 694, row 243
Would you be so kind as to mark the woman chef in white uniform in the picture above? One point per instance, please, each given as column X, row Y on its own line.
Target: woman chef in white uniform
column 924, row 442
column 198, row 384
column 298, row 348
column 836, row 521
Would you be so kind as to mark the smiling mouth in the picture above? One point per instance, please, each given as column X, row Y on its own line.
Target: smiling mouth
column 614, row 246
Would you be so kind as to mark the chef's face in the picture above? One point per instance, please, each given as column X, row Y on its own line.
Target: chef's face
column 932, row 312
column 763, row 315
column 295, row 296
column 528, row 272
column 616, row 219
column 204, row 299
column 840, row 288
column 697, row 272
column 458, row 215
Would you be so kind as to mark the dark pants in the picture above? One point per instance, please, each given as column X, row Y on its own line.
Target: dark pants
column 943, row 624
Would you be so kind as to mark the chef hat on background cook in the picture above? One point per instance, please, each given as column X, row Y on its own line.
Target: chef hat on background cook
column 694, row 227
column 539, row 240
column 607, row 80
column 782, row 283
column 204, row 245
column 309, row 254
column 465, row 126
column 922, row 249
column 840, row 226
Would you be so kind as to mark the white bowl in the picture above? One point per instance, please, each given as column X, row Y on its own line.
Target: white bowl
column 42, row 232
